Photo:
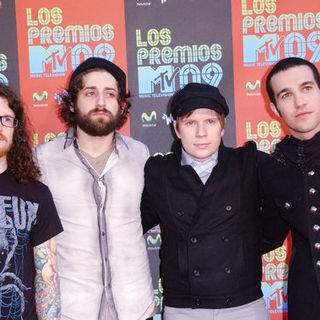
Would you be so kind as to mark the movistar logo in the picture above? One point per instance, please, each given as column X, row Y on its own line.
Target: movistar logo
column 154, row 240
column 148, row 118
column 37, row 98
column 253, row 87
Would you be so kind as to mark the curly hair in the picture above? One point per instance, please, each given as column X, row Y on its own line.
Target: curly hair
column 70, row 100
column 21, row 164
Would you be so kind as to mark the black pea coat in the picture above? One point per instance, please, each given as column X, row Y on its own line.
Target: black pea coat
column 291, row 186
column 210, row 253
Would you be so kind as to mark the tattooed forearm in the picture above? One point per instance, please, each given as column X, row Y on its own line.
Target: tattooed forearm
column 47, row 281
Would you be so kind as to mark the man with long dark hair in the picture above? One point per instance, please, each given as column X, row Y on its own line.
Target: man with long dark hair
column 96, row 178
column 28, row 222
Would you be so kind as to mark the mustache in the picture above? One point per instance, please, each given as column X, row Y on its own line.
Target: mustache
column 4, row 138
column 100, row 110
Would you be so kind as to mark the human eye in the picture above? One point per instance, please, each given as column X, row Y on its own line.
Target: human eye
column 111, row 94
column 307, row 88
column 285, row 95
column 89, row 93
column 189, row 123
column 211, row 121
column 7, row 121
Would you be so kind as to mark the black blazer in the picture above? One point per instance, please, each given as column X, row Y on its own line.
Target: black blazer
column 210, row 253
column 291, row 186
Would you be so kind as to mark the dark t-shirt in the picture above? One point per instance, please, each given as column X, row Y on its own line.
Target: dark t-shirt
column 28, row 218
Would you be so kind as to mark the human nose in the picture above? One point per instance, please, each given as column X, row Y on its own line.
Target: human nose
column 100, row 99
column 201, row 130
column 299, row 99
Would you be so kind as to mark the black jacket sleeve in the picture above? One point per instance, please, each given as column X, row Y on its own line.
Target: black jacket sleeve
column 274, row 228
column 149, row 216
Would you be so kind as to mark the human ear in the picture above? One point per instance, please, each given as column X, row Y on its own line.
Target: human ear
column 275, row 110
column 176, row 129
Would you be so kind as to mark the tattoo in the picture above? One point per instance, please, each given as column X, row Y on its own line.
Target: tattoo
column 47, row 287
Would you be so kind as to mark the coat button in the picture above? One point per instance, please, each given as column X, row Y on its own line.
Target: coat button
column 228, row 208
column 312, row 191
column 316, row 227
column 227, row 270
column 287, row 205
column 318, row 263
column 194, row 240
column 180, row 213
column 317, row 246
column 196, row 272
column 197, row 302
column 311, row 173
column 313, row 209
column 229, row 301
column 225, row 239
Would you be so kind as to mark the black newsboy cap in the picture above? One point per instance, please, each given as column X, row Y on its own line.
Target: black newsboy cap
column 197, row 95
column 101, row 63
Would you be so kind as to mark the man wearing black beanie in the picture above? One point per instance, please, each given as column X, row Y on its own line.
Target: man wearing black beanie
column 96, row 178
column 205, row 196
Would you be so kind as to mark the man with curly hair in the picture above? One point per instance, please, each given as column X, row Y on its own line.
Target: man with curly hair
column 28, row 223
column 96, row 178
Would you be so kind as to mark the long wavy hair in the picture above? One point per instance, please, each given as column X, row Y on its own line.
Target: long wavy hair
column 70, row 100
column 21, row 164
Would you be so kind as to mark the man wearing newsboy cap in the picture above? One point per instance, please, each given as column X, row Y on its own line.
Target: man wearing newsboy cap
column 96, row 177
column 205, row 197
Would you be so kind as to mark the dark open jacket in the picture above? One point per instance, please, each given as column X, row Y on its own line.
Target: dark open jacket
column 291, row 185
column 210, row 253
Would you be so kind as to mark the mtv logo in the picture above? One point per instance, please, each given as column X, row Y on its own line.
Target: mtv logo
column 3, row 62
column 276, row 295
column 3, row 79
column 261, row 49
column 156, row 80
column 51, row 60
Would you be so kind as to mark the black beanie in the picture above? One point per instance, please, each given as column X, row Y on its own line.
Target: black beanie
column 101, row 63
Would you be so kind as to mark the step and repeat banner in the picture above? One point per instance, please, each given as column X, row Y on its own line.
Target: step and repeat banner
column 163, row 45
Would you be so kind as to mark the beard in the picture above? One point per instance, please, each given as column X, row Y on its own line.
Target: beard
column 102, row 126
column 4, row 150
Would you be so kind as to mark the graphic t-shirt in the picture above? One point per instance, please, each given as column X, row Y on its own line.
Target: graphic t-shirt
column 28, row 218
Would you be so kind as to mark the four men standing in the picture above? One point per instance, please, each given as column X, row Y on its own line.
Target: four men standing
column 96, row 178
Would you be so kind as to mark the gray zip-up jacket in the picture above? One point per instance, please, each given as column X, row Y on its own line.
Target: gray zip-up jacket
column 102, row 257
